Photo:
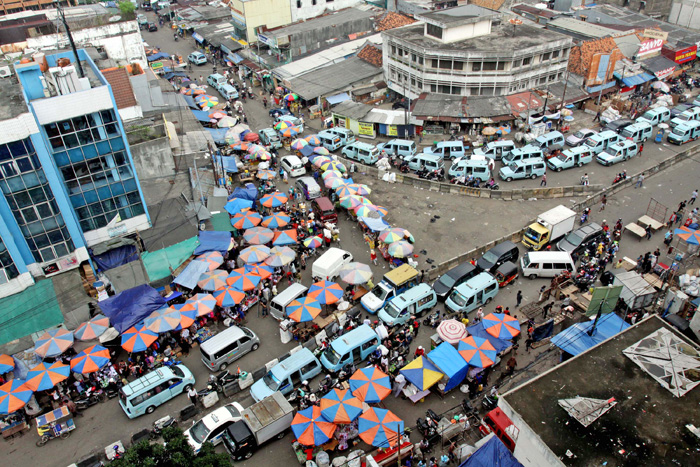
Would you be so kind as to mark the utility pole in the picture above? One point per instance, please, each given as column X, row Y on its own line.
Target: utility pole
column 70, row 39
column 199, row 184
column 563, row 96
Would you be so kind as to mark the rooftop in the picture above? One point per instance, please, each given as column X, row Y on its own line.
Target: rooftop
column 334, row 78
column 580, row 28
column 12, row 103
column 330, row 20
column 455, row 16
column 543, row 12
column 392, row 20
column 371, row 54
column 455, row 108
column 645, row 427
column 121, row 87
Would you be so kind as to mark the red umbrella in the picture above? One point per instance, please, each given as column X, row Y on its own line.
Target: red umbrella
column 252, row 137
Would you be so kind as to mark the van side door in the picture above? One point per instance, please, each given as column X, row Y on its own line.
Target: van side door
column 367, row 348
column 311, row 369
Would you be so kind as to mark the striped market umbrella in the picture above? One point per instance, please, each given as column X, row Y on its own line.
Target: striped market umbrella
column 265, row 174
column 477, row 351
column 188, row 314
column 14, row 395
column 274, row 200
column 90, row 360
column 334, row 182
column 303, row 309
column 228, row 296
column 204, row 303
column 451, row 330
column 290, row 132
column 7, row 363
column 299, row 143
column 241, row 280
column 421, row 373
column 227, row 122
column 92, row 329
column 400, row 249
column 313, row 140
column 321, row 151
column 319, row 161
column 206, row 101
column 212, row 280
column 311, row 428
column 279, row 256
column 218, row 115
column 313, row 242
column 334, row 165
column 340, row 406
column 285, row 237
column 242, row 146
column 355, row 273
column 138, row 338
column 254, row 254
column 291, row 97
column 255, row 149
column 331, row 174
column 380, row 428
column 258, row 235
column 353, row 201
column 361, row 189
column 367, row 210
column 381, row 210
column 391, row 235
column 246, row 220
column 282, row 125
column 163, row 320
column 501, row 325
column 213, row 258
column 344, row 191
column 691, row 237
column 276, row 220
column 43, row 376
column 54, row 342
column 370, row 385
column 326, row 292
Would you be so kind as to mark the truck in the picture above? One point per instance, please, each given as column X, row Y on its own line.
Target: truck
column 270, row 418
column 393, row 283
column 550, row 226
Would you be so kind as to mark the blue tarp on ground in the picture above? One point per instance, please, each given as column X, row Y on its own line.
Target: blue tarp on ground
column 249, row 192
column 190, row 102
column 450, row 362
column 158, row 56
column 218, row 134
column 201, row 115
column 213, row 241
column 492, row 454
column 478, row 330
column 116, row 257
column 189, row 276
column 575, row 339
column 131, row 306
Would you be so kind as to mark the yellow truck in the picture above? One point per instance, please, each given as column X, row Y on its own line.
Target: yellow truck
column 550, row 226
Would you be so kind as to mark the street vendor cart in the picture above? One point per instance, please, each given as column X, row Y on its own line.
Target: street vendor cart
column 54, row 424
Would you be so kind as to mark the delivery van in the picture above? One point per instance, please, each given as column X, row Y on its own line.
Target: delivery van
column 329, row 140
column 476, row 292
column 546, row 263
column 656, row 115
column 287, row 375
column 430, row 162
column 449, row 150
column 346, row 135
column 602, row 141
column 228, row 346
column 393, row 283
column 350, row 348
column 309, row 188
column 154, row 388
column 520, row 154
column 470, row 167
column 413, row 302
column 399, row 147
column 361, row 152
column 689, row 115
column 684, row 132
column 573, row 157
column 327, row 266
column 528, row 168
column 228, row 92
column 638, row 132
column 551, row 141
column 279, row 303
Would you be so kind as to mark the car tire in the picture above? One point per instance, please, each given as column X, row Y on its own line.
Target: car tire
column 255, row 347
column 533, row 176
column 151, row 409
column 532, row 276
column 509, row 179
column 223, row 366
column 65, row 434
column 488, row 300
column 558, row 169
column 281, row 435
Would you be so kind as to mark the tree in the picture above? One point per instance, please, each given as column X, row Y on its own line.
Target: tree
column 127, row 9
column 177, row 452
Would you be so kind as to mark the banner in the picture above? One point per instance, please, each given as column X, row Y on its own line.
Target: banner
column 649, row 47
column 366, row 129
column 392, row 130
column 686, row 55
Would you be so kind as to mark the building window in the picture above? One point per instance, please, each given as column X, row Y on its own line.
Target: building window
column 445, row 65
column 545, row 56
column 457, row 65
column 527, row 61
column 517, row 63
column 542, row 80
column 313, row 2
column 552, row 77
column 8, row 270
column 27, row 191
column 555, row 53
column 98, row 175
column 432, row 30
column 393, row 50
column 298, row 3
column 414, row 58
column 433, row 88
column 434, row 63
column 476, row 66
column 420, row 60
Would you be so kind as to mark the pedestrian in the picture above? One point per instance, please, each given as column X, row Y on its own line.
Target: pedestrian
column 479, row 315
column 693, row 196
column 519, row 298
column 192, row 394
column 603, row 202
column 373, row 256
column 597, row 117
column 544, row 180
column 546, row 309
column 647, row 229
column 528, row 343
column 640, row 181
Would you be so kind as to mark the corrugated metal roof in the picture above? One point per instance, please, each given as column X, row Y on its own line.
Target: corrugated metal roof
column 332, row 79
column 388, row 117
column 352, row 110
column 583, row 28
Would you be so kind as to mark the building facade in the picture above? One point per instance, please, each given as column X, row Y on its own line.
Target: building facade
column 67, row 177
column 306, row 9
column 248, row 15
column 470, row 51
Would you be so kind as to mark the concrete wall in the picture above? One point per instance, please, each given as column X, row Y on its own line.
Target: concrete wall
column 466, row 31
column 685, row 13
column 270, row 13
column 153, row 159
column 309, row 10
column 656, row 8
column 321, row 37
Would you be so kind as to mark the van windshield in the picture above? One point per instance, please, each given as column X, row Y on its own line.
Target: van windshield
column 574, row 238
column 678, row 131
column 199, row 432
column 380, row 292
column 332, row 356
column 579, row 134
column 178, row 372
column 490, row 257
column 392, row 310
column 526, row 261
column 458, row 298
column 648, row 115
column 685, row 118
column 270, row 381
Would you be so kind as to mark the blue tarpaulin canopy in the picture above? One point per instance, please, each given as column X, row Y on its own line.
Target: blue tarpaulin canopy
column 235, row 58
column 338, row 98
column 189, row 276
column 201, row 115
column 248, row 192
column 158, row 56
column 450, row 362
column 575, row 339
column 492, row 454
column 131, row 306
column 171, row 75
column 630, row 81
column 218, row 134
column 236, row 205
column 190, row 102
column 477, row 330
column 376, row 225
column 229, row 163
column 213, row 241
column 116, row 257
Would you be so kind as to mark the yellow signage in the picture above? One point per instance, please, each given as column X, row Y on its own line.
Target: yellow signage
column 392, row 130
column 366, row 129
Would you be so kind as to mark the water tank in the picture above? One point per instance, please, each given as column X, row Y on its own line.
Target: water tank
column 563, row 5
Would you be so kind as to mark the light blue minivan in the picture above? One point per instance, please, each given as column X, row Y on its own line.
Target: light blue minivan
column 528, row 168
column 153, row 389
column 472, row 294
column 684, row 132
column 361, row 152
column 413, row 302
column 287, row 374
column 353, row 347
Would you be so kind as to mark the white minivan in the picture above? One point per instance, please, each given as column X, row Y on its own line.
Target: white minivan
column 327, row 266
column 293, row 165
column 546, row 263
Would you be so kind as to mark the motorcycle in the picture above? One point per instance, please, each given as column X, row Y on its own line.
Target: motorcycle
column 584, row 216
column 346, row 372
column 492, row 186
column 205, row 392
column 223, row 379
column 91, row 397
column 422, row 173
column 326, row 384
column 432, row 320
column 489, row 402
column 160, row 424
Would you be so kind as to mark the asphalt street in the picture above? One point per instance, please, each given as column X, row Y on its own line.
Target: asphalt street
column 463, row 223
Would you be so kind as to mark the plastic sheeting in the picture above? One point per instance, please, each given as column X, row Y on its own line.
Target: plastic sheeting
column 190, row 102
column 218, row 134
column 376, row 225
column 201, row 115
column 477, row 330
column 213, row 241
column 229, row 163
column 575, row 339
column 131, row 306
column 236, row 205
column 190, row 275
column 158, row 56
column 492, row 454
column 446, row 358
column 31, row 310
column 249, row 192
column 160, row 263
column 116, row 257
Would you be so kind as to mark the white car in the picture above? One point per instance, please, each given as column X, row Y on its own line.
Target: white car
column 212, row 426
column 580, row 137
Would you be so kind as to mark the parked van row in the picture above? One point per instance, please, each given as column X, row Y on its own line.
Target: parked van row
column 684, row 132
column 219, row 83
column 690, row 115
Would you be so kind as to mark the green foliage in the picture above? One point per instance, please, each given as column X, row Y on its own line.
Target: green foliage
column 176, row 453
column 127, row 9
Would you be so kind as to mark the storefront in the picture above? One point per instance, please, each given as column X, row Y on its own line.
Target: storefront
column 679, row 54
column 660, row 66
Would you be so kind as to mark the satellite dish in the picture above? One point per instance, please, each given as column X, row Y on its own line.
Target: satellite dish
column 114, row 19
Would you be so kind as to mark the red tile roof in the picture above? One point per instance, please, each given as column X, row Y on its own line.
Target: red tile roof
column 371, row 54
column 121, row 87
column 491, row 4
column 393, row 20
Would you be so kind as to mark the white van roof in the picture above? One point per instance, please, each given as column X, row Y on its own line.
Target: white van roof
column 288, row 294
column 218, row 341
column 537, row 256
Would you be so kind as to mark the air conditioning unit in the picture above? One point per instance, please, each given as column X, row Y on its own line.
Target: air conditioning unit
column 65, row 80
column 5, row 72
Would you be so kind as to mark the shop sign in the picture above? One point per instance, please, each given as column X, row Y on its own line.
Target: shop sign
column 197, row 37
column 664, row 73
column 649, row 47
column 686, row 55
column 392, row 130
column 265, row 40
column 366, row 129
column 655, row 34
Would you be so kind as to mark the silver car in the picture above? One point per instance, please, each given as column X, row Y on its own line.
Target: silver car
column 579, row 137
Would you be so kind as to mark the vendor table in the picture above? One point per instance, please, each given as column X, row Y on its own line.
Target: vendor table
column 245, row 177
column 636, row 229
column 646, row 220
column 15, row 429
column 360, row 292
column 203, row 334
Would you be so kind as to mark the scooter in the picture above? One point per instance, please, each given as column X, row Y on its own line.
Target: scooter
column 91, row 397
column 584, row 215
column 160, row 424
column 489, row 403
column 224, row 378
column 326, row 384
column 432, row 320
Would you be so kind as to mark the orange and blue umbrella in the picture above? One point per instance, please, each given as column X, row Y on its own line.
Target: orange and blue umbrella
column 290, row 132
column 370, row 385
column 274, row 200
column 254, row 254
column 326, row 292
column 188, row 314
column 691, row 237
column 313, row 140
column 313, row 242
column 92, row 329
column 237, row 205
column 340, row 406
column 246, row 220
column 213, row 258
column 242, row 146
column 203, row 303
column 14, row 395
column 280, row 256
column 477, row 351
column 303, row 309
column 258, row 235
column 259, row 269
column 163, row 320
column 265, row 174
column 276, row 220
column 380, row 428
column 212, row 280
column 501, row 325
column 285, row 237
column 310, row 428
column 138, row 338
column 90, row 360
column 54, row 342
column 242, row 280
column 228, row 296
column 422, row 373
column 7, row 363
column 43, row 377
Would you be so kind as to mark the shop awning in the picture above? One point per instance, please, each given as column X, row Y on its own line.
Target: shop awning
column 190, row 102
column 201, row 115
column 630, row 81
column 338, row 98
column 235, row 58
column 190, row 275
